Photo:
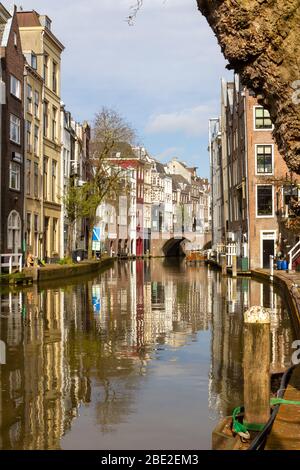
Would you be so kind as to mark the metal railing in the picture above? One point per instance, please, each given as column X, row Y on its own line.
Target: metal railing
column 294, row 253
column 11, row 260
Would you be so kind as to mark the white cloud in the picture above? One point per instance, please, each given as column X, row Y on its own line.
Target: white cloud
column 191, row 122
column 168, row 153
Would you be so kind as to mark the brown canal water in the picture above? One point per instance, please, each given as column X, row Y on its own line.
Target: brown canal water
column 147, row 355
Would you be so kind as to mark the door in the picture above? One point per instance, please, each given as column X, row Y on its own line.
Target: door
column 268, row 249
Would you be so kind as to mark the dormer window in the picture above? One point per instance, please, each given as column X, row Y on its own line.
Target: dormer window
column 33, row 61
column 48, row 23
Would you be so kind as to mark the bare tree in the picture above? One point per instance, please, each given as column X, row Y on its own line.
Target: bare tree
column 111, row 133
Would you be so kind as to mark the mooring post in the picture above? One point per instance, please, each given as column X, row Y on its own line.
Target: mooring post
column 223, row 264
column 257, row 354
column 271, row 267
column 234, row 271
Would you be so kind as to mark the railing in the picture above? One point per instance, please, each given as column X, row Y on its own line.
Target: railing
column 230, row 251
column 220, row 249
column 14, row 260
column 293, row 255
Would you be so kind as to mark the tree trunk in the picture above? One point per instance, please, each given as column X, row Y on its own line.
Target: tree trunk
column 70, row 239
column 260, row 39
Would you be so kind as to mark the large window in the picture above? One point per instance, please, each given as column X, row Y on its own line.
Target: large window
column 36, row 180
column 36, row 103
column 15, row 129
column 54, row 77
column 14, row 231
column 262, row 119
column 45, row 119
column 28, row 176
column 36, row 140
column 15, row 87
column 45, row 179
column 45, row 71
column 54, row 123
column 14, row 176
column 28, row 135
column 264, row 200
column 264, row 159
column 28, row 227
column 54, row 169
column 29, row 98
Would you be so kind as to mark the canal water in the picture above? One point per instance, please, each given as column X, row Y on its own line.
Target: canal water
column 147, row 355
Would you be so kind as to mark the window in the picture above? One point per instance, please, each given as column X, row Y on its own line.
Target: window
column 264, row 200
column 36, row 223
column 264, row 159
column 54, row 167
column 54, row 123
column 36, row 180
column 54, row 77
column 15, row 129
column 14, row 176
column 28, row 228
column 28, row 176
column 34, row 61
column 28, row 135
column 45, row 119
column 36, row 140
column 29, row 98
column 15, row 40
column 15, row 87
column 45, row 71
column 14, row 231
column 45, row 179
column 36, row 103
column 54, row 233
column 262, row 118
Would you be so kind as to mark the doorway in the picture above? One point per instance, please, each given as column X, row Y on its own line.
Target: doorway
column 268, row 248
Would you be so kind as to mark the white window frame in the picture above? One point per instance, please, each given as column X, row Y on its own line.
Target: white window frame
column 256, row 200
column 254, row 121
column 17, row 83
column 17, row 170
column 274, row 238
column 273, row 160
column 17, row 123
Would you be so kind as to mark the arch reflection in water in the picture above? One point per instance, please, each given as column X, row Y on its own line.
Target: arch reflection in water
column 145, row 343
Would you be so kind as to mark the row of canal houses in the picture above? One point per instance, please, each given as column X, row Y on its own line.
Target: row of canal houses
column 254, row 196
column 40, row 142
column 42, row 147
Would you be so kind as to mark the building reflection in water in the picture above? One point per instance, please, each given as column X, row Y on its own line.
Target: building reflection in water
column 93, row 340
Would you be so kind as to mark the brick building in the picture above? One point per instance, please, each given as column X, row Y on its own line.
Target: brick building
column 12, row 135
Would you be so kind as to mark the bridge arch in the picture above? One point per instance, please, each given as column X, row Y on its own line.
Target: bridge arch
column 175, row 246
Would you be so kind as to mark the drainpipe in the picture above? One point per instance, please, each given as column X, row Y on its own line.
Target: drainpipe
column 24, row 247
column 211, row 176
column 1, row 104
column 41, row 145
column 247, row 179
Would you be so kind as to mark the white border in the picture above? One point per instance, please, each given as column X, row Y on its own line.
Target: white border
column 273, row 160
column 273, row 202
column 261, row 243
column 254, row 126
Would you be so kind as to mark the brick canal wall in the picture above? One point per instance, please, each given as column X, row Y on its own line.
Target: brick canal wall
column 290, row 284
column 53, row 272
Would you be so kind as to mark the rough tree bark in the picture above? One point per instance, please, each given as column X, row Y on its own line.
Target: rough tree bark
column 261, row 41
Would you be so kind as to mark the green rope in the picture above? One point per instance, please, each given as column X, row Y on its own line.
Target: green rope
column 244, row 427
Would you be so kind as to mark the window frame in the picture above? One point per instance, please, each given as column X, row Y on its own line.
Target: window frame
column 17, row 175
column 263, row 216
column 18, row 124
column 257, row 173
column 18, row 82
column 259, row 129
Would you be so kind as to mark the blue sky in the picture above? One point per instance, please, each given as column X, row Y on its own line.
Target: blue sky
column 162, row 74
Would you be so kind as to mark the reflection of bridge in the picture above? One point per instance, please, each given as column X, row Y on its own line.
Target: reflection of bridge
column 171, row 245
